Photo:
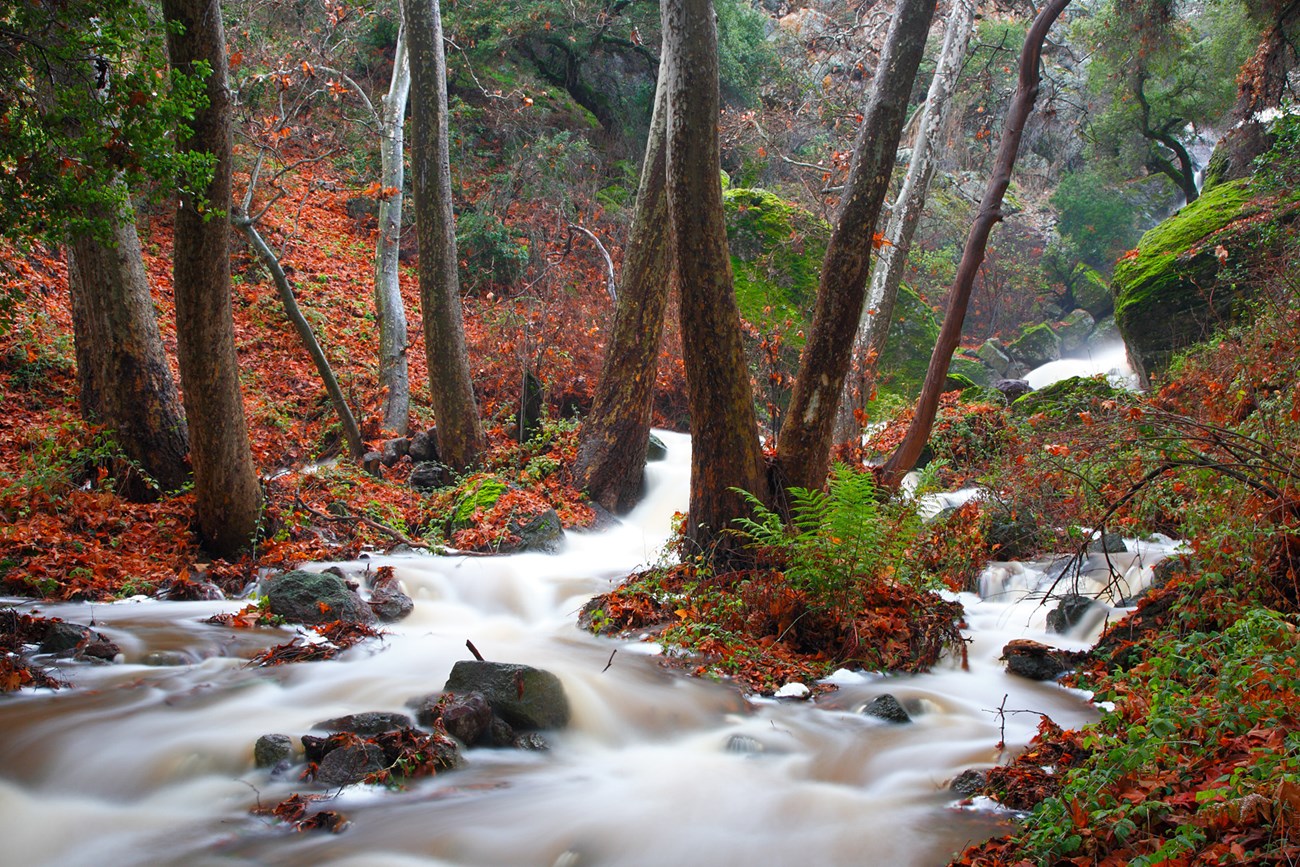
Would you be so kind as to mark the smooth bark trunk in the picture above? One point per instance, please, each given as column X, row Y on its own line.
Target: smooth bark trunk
column 887, row 275
column 612, row 448
column 228, row 497
column 461, row 442
column 390, row 311
column 804, row 443
column 725, row 452
column 351, row 431
column 990, row 213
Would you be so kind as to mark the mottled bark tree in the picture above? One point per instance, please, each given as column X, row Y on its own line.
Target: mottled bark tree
column 390, row 311
column 725, row 452
column 122, row 373
column 887, row 274
column 990, row 213
column 612, row 449
column 227, row 493
column 804, row 443
column 461, row 441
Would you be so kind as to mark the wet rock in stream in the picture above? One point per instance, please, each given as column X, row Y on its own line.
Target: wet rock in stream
column 349, row 764
column 969, row 783
column 887, row 708
column 523, row 696
column 366, row 724
column 1070, row 611
column 1036, row 661
column 387, row 600
column 315, row 597
column 75, row 641
column 270, row 750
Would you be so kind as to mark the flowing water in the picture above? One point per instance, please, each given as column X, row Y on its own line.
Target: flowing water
column 146, row 764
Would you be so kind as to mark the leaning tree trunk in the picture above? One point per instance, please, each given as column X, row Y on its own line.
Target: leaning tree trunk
column 803, row 447
column 351, row 430
column 228, row 498
column 887, row 275
column 990, row 213
column 725, row 453
column 461, row 442
column 612, row 449
column 390, row 311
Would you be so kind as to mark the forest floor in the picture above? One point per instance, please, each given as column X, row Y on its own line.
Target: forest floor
column 1199, row 760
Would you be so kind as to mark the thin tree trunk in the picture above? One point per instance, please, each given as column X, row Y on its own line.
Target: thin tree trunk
column 228, row 498
column 803, row 447
column 461, row 442
column 887, row 275
column 990, row 213
column 725, row 453
column 351, row 431
column 390, row 311
column 612, row 449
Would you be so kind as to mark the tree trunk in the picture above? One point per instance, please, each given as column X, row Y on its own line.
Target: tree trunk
column 228, row 498
column 389, row 308
column 887, row 275
column 612, row 450
column 461, row 442
column 351, row 431
column 990, row 213
column 803, row 447
column 725, row 451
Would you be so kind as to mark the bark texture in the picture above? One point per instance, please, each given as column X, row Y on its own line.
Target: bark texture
column 122, row 371
column 228, row 497
column 725, row 451
column 990, row 213
column 887, row 274
column 461, row 441
column 612, row 449
column 803, row 447
column 390, row 311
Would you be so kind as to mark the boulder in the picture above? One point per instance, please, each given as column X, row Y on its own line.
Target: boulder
column 1034, row 660
column 394, row 450
column 1107, row 543
column 1074, row 330
column 387, row 600
column 1184, row 280
column 1037, row 345
column 350, row 764
column 969, row 783
column 423, row 447
column 542, row 532
column 270, row 750
column 656, row 450
column 314, row 597
column 1090, row 291
column 467, row 717
column 887, row 708
column 429, row 476
column 523, row 696
column 1069, row 612
column 366, row 724
column 992, row 353
column 1012, row 389
column 1104, row 334
column 77, row 641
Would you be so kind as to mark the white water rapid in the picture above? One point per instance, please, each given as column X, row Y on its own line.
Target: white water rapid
column 150, row 765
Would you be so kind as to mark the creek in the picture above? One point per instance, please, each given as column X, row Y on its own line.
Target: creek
column 147, row 764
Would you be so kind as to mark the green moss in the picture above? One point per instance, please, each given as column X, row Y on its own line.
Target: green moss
column 1091, row 291
column 970, row 369
column 906, row 356
column 1037, row 344
column 776, row 255
column 476, row 492
column 1067, row 397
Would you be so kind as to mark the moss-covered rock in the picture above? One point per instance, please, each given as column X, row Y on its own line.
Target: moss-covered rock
column 476, row 492
column 1068, row 397
column 1172, row 290
column 906, row 355
column 1036, row 345
column 1074, row 330
column 1091, row 291
column 776, row 255
column 971, row 369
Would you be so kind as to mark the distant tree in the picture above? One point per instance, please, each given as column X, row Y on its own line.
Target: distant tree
column 989, row 215
column 612, row 448
column 804, row 442
column 461, row 441
column 1162, row 72
column 228, row 497
column 76, row 130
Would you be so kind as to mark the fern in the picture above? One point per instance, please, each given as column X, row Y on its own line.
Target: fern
column 837, row 539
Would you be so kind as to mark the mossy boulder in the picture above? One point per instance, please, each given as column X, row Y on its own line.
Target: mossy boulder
column 1074, row 330
column 776, row 255
column 906, row 356
column 970, row 368
column 1037, row 345
column 1067, row 397
column 476, row 492
column 1179, row 282
column 1091, row 292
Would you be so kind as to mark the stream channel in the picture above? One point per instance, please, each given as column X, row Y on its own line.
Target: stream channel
column 149, row 765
